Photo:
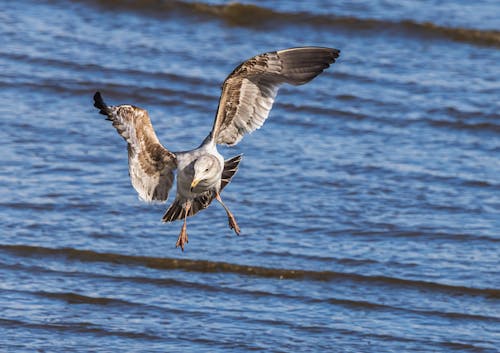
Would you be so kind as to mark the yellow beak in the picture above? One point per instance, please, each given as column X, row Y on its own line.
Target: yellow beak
column 194, row 183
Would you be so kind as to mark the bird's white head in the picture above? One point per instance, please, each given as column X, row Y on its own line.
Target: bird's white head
column 206, row 169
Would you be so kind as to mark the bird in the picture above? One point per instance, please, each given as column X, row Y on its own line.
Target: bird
column 247, row 96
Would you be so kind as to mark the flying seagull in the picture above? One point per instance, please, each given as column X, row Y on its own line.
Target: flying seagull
column 247, row 97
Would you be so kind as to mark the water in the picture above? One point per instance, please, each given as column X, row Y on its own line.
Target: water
column 369, row 202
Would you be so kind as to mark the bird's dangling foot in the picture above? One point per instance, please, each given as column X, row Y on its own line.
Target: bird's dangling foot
column 231, row 220
column 183, row 237
column 232, row 223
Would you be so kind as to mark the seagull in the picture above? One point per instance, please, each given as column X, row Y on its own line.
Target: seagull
column 248, row 94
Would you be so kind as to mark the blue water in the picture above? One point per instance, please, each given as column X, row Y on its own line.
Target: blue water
column 369, row 202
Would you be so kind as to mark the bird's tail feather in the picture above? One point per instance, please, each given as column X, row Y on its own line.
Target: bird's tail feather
column 176, row 210
column 230, row 168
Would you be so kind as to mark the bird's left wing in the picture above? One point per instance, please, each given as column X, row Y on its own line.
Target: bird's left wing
column 151, row 165
column 248, row 92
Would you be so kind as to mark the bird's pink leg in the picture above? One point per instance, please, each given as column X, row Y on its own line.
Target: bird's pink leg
column 183, row 237
column 230, row 217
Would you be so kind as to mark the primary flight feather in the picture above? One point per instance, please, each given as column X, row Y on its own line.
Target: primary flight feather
column 248, row 95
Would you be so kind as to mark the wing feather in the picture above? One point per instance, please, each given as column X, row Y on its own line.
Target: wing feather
column 248, row 93
column 151, row 165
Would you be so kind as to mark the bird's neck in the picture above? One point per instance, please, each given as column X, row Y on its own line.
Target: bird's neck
column 208, row 142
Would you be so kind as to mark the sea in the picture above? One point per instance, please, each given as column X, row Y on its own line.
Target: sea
column 369, row 202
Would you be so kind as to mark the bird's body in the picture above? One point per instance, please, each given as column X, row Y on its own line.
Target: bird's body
column 247, row 97
column 185, row 171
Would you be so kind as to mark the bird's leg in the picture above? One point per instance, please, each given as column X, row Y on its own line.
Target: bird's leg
column 230, row 217
column 183, row 237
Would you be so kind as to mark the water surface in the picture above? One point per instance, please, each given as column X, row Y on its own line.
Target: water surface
column 369, row 202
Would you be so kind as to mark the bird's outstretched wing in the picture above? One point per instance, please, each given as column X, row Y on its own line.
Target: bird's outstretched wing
column 151, row 165
column 248, row 92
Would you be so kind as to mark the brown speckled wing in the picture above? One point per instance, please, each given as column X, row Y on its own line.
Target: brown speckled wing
column 151, row 165
column 248, row 93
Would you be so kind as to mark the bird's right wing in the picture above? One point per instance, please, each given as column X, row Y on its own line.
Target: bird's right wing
column 151, row 165
column 248, row 93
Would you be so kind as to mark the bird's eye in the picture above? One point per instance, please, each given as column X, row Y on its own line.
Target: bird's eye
column 206, row 170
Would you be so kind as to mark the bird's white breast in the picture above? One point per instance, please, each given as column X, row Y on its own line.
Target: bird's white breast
column 185, row 174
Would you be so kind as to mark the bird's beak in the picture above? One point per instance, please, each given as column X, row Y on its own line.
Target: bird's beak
column 194, row 183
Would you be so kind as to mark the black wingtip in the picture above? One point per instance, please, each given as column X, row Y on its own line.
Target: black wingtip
column 99, row 104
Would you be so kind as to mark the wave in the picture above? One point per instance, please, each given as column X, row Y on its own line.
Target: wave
column 95, row 70
column 450, row 118
column 89, row 327
column 146, row 95
column 423, row 235
column 75, row 327
column 249, row 15
column 206, row 266
column 46, row 206
column 76, row 298
column 468, row 126
column 148, row 86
